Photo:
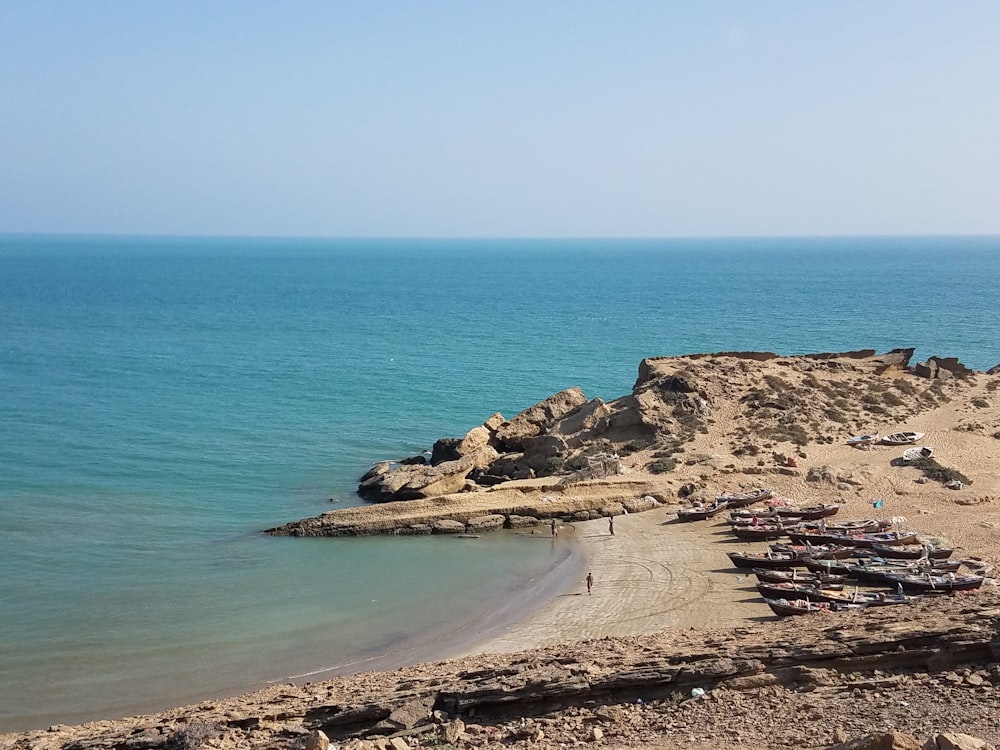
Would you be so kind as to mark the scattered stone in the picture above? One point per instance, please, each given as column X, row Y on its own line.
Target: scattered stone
column 881, row 741
column 317, row 740
column 956, row 741
column 453, row 731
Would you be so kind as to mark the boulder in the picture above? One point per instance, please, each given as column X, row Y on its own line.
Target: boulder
column 522, row 522
column 429, row 481
column 538, row 419
column 453, row 731
column 317, row 740
column 957, row 741
column 539, row 451
column 388, row 482
column 942, row 368
column 445, row 449
column 410, row 715
column 474, row 440
column 821, row 475
column 897, row 359
column 484, row 523
column 640, row 504
column 995, row 370
column 590, row 418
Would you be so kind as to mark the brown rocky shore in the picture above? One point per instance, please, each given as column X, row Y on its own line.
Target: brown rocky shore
column 674, row 648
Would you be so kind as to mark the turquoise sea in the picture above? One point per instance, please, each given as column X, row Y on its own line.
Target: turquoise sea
column 164, row 399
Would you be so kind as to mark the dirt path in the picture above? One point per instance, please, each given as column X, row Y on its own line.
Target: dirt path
column 650, row 576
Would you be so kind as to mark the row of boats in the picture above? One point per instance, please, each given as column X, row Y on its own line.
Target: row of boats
column 823, row 565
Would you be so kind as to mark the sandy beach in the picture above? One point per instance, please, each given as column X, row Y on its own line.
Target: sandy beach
column 651, row 575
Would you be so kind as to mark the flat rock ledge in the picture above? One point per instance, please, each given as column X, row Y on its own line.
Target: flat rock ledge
column 512, row 505
column 773, row 684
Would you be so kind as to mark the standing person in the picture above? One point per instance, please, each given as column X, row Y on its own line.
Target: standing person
column 590, row 582
column 611, row 525
column 555, row 529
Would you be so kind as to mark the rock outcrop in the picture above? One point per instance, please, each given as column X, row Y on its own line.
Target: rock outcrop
column 941, row 367
column 770, row 403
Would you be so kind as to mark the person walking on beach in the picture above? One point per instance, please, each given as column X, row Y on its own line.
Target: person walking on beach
column 611, row 525
column 555, row 529
column 590, row 582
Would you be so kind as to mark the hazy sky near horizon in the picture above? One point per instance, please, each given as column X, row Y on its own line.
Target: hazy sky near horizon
column 500, row 119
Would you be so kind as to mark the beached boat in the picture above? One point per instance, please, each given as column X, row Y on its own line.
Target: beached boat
column 738, row 518
column 788, row 591
column 891, row 538
column 769, row 560
column 866, row 526
column 912, row 455
column 878, row 572
column 789, row 607
column 810, row 512
column 863, row 439
column 797, row 576
column 760, row 533
column 816, row 552
column 742, row 499
column 912, row 552
column 871, row 598
column 935, row 584
column 827, row 567
column 700, row 512
column 901, row 438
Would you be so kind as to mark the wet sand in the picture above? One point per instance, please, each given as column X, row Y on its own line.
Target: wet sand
column 653, row 574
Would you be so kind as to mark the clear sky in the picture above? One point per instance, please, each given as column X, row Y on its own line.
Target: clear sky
column 471, row 119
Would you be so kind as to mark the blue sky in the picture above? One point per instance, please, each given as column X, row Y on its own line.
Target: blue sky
column 500, row 119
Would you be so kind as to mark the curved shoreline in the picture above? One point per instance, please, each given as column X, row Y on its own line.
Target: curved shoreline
column 474, row 632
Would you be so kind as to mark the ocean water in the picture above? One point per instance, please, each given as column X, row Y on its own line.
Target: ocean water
column 162, row 400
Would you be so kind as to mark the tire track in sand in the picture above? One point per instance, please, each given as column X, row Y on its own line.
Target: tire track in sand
column 650, row 576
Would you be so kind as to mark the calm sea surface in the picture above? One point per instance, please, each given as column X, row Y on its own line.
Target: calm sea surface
column 162, row 400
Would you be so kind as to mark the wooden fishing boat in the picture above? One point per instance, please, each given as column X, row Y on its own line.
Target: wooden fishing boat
column 742, row 499
column 768, row 519
column 747, row 513
column 879, row 572
column 769, row 560
column 912, row 455
column 816, row 552
column 930, row 584
column 860, row 526
column 871, row 598
column 701, row 512
column 797, row 576
column 901, row 438
column 759, row 533
column 812, row 536
column 795, row 590
column 892, row 538
column 912, row 552
column 790, row 607
column 811, row 512
column 787, row 591
column 828, row 567
column 863, row 439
